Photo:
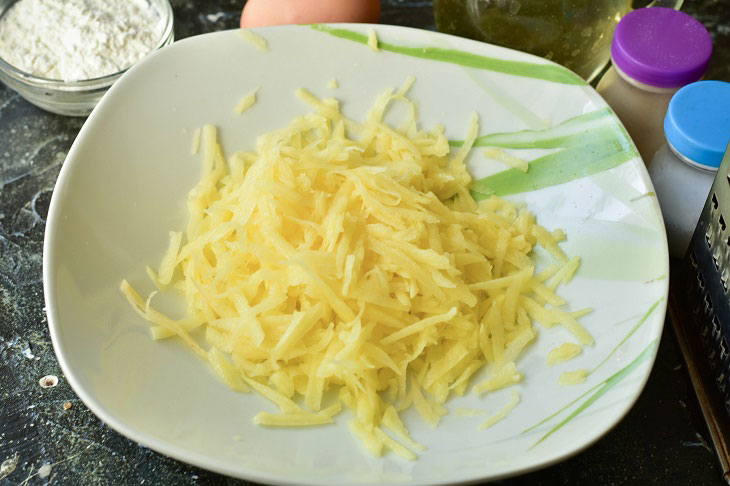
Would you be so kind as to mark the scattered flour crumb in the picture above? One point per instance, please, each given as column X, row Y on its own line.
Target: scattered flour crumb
column 8, row 466
column 44, row 471
column 215, row 17
column 48, row 381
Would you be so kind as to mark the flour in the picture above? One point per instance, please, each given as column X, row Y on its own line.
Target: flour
column 74, row 40
column 44, row 471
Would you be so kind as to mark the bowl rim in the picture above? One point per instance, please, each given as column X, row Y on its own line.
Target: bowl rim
column 31, row 80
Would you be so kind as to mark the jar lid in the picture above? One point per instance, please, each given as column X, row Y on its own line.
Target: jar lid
column 661, row 47
column 697, row 124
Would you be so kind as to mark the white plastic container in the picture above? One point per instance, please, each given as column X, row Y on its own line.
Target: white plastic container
column 697, row 128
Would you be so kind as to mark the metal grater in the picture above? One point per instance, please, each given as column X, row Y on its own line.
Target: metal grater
column 706, row 274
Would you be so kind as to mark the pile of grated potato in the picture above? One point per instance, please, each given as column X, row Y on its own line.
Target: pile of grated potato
column 346, row 264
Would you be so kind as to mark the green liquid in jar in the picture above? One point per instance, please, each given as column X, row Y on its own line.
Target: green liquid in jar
column 574, row 33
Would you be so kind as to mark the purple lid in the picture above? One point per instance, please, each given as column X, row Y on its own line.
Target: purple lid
column 661, row 47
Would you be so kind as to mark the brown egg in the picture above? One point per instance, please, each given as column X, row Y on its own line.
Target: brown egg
column 257, row 13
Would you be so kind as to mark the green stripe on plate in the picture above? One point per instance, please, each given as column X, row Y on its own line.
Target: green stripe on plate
column 546, row 72
column 630, row 333
column 558, row 167
column 570, row 133
column 603, row 388
column 638, row 324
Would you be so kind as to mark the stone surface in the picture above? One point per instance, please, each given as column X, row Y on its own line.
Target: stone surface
column 661, row 441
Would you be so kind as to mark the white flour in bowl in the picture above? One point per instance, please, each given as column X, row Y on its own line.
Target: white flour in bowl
column 74, row 40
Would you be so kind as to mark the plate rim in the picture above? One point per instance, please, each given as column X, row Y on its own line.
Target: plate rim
column 180, row 453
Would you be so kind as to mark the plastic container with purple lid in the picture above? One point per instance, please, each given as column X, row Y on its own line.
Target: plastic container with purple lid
column 655, row 51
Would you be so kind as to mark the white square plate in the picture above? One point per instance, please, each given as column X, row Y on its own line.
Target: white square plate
column 123, row 187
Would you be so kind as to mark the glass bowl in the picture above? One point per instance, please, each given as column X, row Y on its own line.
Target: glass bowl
column 73, row 98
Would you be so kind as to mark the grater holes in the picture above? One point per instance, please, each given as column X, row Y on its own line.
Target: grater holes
column 723, row 279
column 715, row 261
column 723, row 349
column 722, row 223
column 715, row 327
column 701, row 281
column 693, row 257
column 708, row 303
column 720, row 379
column 714, row 201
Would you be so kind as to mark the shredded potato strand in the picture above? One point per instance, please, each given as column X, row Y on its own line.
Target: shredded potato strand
column 255, row 39
column 350, row 257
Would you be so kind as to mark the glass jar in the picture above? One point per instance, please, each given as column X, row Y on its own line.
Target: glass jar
column 655, row 51
column 697, row 129
column 574, row 33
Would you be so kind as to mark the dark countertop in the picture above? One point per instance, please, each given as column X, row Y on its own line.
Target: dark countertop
column 661, row 441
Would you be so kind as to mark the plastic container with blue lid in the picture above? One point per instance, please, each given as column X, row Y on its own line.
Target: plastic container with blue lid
column 697, row 130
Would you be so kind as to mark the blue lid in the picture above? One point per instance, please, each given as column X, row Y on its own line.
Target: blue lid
column 697, row 124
